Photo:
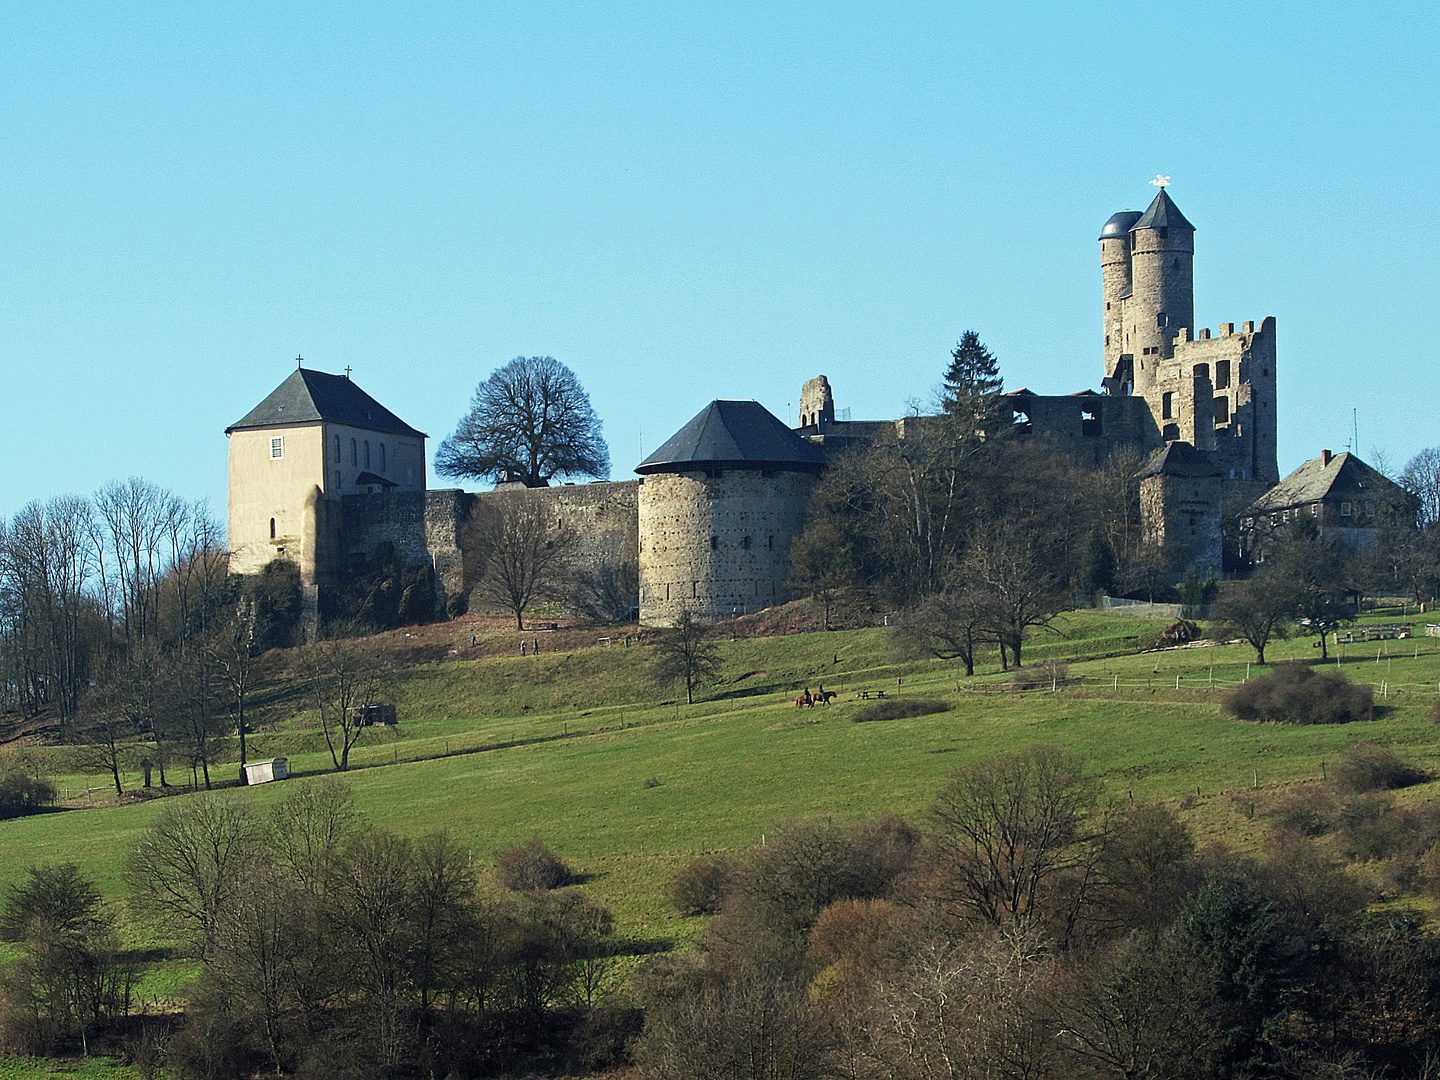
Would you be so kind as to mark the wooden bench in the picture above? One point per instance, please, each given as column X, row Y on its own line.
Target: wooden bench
column 866, row 695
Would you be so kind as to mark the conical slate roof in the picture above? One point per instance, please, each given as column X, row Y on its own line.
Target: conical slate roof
column 1180, row 459
column 307, row 396
column 734, row 435
column 1163, row 213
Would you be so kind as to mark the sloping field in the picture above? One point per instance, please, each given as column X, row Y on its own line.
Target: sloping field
column 582, row 750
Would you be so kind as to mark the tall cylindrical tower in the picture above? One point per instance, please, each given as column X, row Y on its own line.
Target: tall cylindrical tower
column 1115, row 284
column 1162, row 300
column 720, row 504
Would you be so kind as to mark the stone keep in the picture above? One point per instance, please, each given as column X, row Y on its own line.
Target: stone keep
column 720, row 504
column 1215, row 392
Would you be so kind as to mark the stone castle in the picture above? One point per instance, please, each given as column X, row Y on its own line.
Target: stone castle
column 322, row 474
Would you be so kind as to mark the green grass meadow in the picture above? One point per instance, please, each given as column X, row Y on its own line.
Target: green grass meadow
column 564, row 746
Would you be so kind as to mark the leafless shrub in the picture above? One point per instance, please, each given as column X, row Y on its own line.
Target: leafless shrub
column 700, row 888
column 531, row 867
column 1308, row 811
column 900, row 709
column 1295, row 693
column 1369, row 766
column 1043, row 676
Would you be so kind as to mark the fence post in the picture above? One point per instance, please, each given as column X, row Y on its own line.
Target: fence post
column 1177, row 682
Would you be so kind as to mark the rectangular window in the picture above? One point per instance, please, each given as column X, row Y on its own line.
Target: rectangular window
column 367, row 453
column 337, row 449
column 1167, row 406
column 354, row 453
column 1346, row 510
column 277, row 447
column 1222, row 410
column 1222, row 374
column 714, row 543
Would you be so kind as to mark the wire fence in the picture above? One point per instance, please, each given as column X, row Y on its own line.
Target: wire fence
column 1033, row 682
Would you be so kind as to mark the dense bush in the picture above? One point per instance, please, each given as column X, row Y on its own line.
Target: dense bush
column 22, row 793
column 899, row 709
column 1372, row 828
column 1368, row 766
column 531, row 867
column 1295, row 693
column 1308, row 811
column 700, row 888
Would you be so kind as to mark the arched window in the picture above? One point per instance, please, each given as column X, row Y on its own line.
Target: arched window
column 272, row 528
column 367, row 453
column 354, row 453
column 337, row 449
column 382, row 457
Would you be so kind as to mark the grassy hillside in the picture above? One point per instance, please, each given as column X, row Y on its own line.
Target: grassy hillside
column 565, row 746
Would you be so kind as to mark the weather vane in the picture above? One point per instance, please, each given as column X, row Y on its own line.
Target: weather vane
column 1161, row 181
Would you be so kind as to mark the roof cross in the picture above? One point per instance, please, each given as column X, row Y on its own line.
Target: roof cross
column 298, row 362
column 347, row 371
column 1162, row 182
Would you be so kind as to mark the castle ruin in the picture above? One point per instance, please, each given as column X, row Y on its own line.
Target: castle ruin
column 322, row 474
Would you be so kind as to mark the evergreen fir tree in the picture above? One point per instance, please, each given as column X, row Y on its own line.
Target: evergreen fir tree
column 973, row 378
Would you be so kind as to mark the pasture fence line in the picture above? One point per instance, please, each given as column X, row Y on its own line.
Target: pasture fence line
column 1383, row 688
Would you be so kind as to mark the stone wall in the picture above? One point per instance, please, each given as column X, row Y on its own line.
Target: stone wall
column 604, row 515
column 1181, row 516
column 717, row 542
column 1241, row 369
column 1093, row 424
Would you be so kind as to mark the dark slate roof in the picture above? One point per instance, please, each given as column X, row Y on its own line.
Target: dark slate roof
column 1119, row 224
column 734, row 434
column 1180, row 459
column 307, row 396
column 1163, row 213
column 373, row 478
column 1345, row 477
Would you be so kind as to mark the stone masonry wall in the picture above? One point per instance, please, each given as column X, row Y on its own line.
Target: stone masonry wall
column 604, row 515
column 717, row 544
column 1181, row 515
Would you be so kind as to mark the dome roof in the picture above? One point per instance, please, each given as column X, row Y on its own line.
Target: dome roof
column 1119, row 224
column 734, row 435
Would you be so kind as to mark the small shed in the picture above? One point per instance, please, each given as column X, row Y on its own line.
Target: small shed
column 366, row 715
column 261, row 772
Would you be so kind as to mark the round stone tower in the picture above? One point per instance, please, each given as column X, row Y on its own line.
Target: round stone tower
column 720, row 503
column 1162, row 300
column 1116, row 285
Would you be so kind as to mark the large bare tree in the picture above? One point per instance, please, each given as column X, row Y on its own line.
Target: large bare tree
column 522, row 554
column 532, row 420
column 345, row 675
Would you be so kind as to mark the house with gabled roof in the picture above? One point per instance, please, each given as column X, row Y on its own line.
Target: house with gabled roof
column 1346, row 498
column 314, row 439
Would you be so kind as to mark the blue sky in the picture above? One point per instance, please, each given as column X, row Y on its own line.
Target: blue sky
column 684, row 202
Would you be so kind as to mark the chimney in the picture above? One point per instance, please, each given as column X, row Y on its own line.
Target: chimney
column 1325, row 457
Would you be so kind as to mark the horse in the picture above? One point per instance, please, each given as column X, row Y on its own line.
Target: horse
column 824, row 696
column 805, row 701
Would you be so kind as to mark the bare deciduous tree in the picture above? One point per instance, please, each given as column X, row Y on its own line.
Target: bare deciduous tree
column 682, row 654
column 530, row 419
column 524, row 555
column 346, row 675
column 950, row 625
column 1421, row 477
column 188, row 866
column 1005, row 827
